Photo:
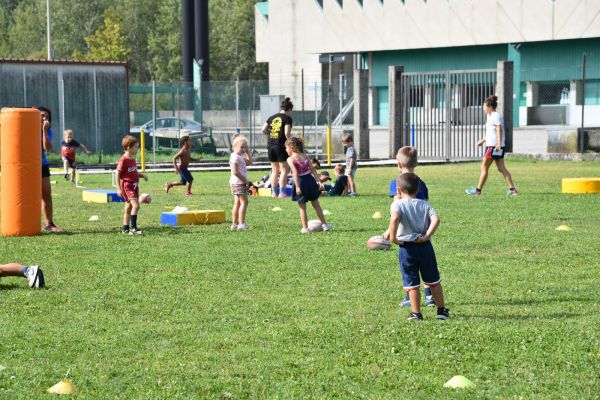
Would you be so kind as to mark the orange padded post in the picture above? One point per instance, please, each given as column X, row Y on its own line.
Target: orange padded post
column 21, row 162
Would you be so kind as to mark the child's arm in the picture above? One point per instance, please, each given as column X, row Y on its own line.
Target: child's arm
column 175, row 158
column 235, row 170
column 45, row 138
column 313, row 172
column 143, row 176
column 118, row 176
column 435, row 222
column 295, row 175
column 248, row 157
column 288, row 131
column 480, row 142
column 265, row 129
column 85, row 149
column 393, row 227
column 499, row 133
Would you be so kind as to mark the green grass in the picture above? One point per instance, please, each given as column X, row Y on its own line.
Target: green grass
column 202, row 312
column 161, row 157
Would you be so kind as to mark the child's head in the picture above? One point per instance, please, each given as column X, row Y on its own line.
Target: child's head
column 46, row 114
column 324, row 176
column 339, row 170
column 294, row 145
column 490, row 104
column 407, row 184
column 406, row 157
column 68, row 135
column 287, row 106
column 130, row 144
column 347, row 139
column 185, row 141
column 240, row 144
column 315, row 163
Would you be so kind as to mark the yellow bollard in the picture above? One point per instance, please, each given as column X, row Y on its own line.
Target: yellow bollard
column 328, row 145
column 143, row 149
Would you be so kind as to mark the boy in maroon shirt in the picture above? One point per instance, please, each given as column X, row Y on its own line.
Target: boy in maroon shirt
column 127, row 184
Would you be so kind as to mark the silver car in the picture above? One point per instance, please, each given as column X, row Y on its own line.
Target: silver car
column 170, row 128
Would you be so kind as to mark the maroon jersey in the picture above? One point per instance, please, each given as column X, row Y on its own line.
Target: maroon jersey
column 128, row 168
column 68, row 149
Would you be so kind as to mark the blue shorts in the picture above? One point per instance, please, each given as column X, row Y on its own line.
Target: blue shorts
column 418, row 260
column 490, row 152
column 185, row 176
column 351, row 172
column 71, row 162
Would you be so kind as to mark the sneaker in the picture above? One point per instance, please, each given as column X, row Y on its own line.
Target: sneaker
column 233, row 227
column 327, row 227
column 189, row 194
column 512, row 192
column 405, row 301
column 304, row 230
column 442, row 313
column 243, row 227
column 415, row 316
column 125, row 231
column 35, row 277
column 473, row 192
column 51, row 228
column 167, row 187
column 135, row 231
column 352, row 194
column 66, row 176
column 429, row 301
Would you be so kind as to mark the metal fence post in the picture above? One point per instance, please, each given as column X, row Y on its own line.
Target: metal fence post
column 504, row 91
column 396, row 118
column 361, row 112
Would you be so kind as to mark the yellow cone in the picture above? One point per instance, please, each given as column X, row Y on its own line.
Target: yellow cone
column 459, row 382
column 276, row 209
column 564, row 228
column 326, row 212
column 377, row 215
column 63, row 387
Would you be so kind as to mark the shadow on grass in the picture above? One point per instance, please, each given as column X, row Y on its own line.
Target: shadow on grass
column 529, row 302
column 11, row 286
column 524, row 317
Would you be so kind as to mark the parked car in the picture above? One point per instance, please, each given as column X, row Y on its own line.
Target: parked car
column 170, row 127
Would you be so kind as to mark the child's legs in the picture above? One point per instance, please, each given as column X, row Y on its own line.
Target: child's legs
column 66, row 166
column 47, row 200
column 317, row 206
column 438, row 295
column 188, row 186
column 11, row 269
column 235, row 210
column 410, row 276
column 135, row 206
column 127, row 213
column 73, row 169
column 303, row 217
column 502, row 168
column 283, row 170
column 430, row 272
column 351, row 187
column 485, row 166
column 243, row 200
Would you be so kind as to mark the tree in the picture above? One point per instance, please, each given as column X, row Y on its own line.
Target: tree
column 4, row 46
column 164, row 43
column 27, row 35
column 108, row 42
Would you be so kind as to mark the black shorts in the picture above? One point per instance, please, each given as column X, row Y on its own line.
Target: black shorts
column 277, row 154
column 45, row 171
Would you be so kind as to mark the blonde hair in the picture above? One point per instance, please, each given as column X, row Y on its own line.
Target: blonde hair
column 407, row 157
column 347, row 137
column 340, row 169
column 240, row 139
column 67, row 132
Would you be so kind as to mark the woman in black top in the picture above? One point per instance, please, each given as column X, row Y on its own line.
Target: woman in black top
column 279, row 129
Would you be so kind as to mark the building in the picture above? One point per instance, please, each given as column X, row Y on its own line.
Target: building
column 545, row 39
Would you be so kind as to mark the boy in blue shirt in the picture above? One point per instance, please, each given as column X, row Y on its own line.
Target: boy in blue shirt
column 412, row 224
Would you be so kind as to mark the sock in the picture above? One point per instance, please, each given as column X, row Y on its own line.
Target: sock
column 125, row 227
column 479, row 190
column 134, row 222
column 427, row 291
column 275, row 189
column 25, row 269
column 512, row 188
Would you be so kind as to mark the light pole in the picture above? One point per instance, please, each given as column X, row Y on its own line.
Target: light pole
column 49, row 40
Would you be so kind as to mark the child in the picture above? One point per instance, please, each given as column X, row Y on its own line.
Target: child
column 495, row 139
column 306, row 182
column 239, row 160
column 406, row 158
column 127, row 184
column 351, row 165
column 68, row 146
column 412, row 223
column 34, row 274
column 340, row 186
column 184, row 155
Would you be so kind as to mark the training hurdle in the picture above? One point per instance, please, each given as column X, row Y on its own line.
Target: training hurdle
column 101, row 196
column 193, row 217
column 580, row 185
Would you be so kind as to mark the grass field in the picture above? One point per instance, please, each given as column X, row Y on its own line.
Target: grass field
column 202, row 312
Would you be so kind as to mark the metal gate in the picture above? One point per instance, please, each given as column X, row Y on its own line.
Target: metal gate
column 443, row 111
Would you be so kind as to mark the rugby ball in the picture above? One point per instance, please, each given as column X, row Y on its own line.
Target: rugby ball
column 314, row 225
column 378, row 243
column 145, row 198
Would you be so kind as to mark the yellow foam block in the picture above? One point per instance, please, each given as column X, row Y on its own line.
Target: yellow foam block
column 101, row 196
column 264, row 192
column 193, row 217
column 581, row 185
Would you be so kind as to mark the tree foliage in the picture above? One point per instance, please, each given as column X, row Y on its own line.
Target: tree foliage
column 145, row 33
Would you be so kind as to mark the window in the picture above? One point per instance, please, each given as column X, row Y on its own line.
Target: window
column 553, row 93
column 320, row 3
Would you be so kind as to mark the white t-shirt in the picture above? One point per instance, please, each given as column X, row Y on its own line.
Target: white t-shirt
column 241, row 161
column 415, row 217
column 491, row 136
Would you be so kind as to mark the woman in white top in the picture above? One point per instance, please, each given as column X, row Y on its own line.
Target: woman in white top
column 495, row 139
